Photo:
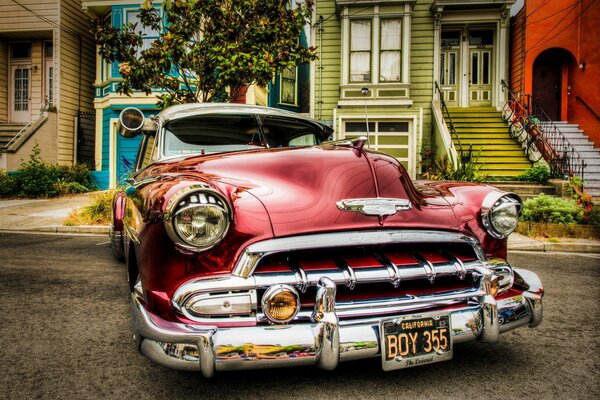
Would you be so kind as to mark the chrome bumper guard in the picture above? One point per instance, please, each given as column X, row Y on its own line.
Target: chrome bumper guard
column 324, row 341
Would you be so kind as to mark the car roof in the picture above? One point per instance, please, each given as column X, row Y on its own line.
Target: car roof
column 196, row 109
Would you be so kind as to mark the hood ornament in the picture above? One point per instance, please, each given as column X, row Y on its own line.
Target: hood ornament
column 377, row 206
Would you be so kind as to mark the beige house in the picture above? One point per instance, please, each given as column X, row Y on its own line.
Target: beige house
column 47, row 65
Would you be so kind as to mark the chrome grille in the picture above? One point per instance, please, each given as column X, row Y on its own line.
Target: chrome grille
column 377, row 280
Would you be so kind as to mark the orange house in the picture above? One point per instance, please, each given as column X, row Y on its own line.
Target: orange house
column 555, row 57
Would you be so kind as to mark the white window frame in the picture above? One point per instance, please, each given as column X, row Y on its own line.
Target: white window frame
column 49, row 75
column 281, row 79
column 348, row 14
column 145, row 39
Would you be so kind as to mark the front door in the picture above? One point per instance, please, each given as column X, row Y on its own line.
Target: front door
column 481, row 44
column 547, row 84
column 466, row 73
column 450, row 66
column 20, row 93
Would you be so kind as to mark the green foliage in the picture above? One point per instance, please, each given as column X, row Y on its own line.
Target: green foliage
column 35, row 179
column 206, row 50
column 538, row 173
column 7, row 184
column 97, row 213
column 550, row 209
column 445, row 168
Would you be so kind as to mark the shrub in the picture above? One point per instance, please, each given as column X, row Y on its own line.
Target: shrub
column 552, row 210
column 97, row 213
column 592, row 215
column 35, row 178
column 7, row 184
column 445, row 168
column 538, row 173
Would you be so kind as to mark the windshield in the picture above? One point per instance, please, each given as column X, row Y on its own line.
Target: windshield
column 215, row 133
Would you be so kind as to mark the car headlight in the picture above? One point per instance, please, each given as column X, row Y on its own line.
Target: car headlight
column 197, row 218
column 500, row 213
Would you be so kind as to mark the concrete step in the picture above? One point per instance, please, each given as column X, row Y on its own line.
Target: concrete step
column 524, row 189
column 480, row 124
column 491, row 134
column 486, row 141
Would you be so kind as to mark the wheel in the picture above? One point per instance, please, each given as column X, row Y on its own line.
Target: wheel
column 518, row 131
column 117, row 244
column 533, row 153
column 508, row 111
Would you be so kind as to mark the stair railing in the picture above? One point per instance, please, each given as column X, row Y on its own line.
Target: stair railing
column 465, row 156
column 589, row 108
column 43, row 109
column 559, row 153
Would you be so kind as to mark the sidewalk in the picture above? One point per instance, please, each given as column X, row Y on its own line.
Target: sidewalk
column 47, row 215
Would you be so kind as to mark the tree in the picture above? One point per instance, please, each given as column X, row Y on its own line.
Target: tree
column 205, row 50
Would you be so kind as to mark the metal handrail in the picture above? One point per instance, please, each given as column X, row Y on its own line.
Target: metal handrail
column 43, row 108
column 465, row 157
column 586, row 105
column 559, row 153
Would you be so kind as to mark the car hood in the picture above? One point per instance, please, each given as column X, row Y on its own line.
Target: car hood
column 299, row 188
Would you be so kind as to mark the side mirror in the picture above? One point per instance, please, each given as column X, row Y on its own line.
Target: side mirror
column 131, row 121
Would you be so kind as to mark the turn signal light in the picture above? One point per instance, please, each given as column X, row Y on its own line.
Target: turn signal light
column 280, row 303
column 494, row 285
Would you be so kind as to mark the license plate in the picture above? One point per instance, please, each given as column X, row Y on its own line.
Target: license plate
column 413, row 340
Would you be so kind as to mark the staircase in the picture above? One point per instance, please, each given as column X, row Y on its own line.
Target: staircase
column 493, row 148
column 591, row 156
column 7, row 132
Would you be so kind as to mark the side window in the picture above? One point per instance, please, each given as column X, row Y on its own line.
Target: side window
column 148, row 152
column 305, row 140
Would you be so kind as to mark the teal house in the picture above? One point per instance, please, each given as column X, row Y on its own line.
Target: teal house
column 114, row 154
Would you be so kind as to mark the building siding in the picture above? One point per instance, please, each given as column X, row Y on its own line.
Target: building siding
column 517, row 51
column 328, row 72
column 28, row 21
column 77, row 61
column 3, row 81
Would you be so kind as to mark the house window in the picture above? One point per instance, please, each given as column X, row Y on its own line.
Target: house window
column 148, row 34
column 390, row 53
column 376, row 44
column 360, row 51
column 288, row 86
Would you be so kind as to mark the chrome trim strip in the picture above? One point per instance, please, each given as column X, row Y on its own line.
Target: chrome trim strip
column 252, row 255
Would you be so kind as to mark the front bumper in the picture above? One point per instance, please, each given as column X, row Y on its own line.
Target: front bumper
column 323, row 342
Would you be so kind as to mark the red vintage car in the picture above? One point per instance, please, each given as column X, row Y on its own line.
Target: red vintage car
column 252, row 242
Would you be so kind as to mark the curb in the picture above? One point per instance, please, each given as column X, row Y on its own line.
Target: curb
column 85, row 229
column 546, row 247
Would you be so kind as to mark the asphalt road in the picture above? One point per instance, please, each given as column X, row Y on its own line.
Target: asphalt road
column 65, row 333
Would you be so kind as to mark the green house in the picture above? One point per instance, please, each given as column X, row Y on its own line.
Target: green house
column 379, row 62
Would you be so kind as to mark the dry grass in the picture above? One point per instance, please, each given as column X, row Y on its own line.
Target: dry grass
column 97, row 213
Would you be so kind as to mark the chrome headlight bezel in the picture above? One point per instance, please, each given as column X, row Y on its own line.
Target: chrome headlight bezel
column 497, row 201
column 204, row 196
